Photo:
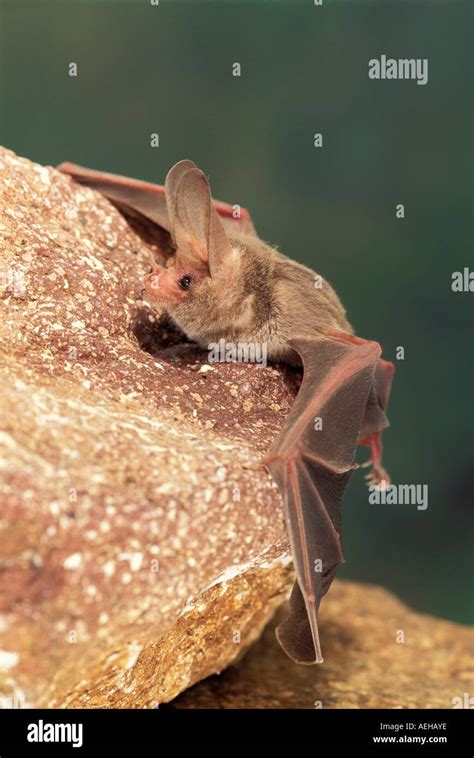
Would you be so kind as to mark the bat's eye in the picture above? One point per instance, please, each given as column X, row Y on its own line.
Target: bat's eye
column 185, row 282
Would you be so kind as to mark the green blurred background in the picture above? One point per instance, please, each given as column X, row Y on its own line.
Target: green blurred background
column 167, row 69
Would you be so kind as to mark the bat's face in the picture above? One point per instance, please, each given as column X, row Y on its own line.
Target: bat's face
column 174, row 284
column 205, row 307
column 213, row 286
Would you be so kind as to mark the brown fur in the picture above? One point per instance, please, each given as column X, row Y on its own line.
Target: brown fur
column 242, row 290
column 261, row 296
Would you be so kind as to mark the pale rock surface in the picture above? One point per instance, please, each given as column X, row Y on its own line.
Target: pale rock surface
column 143, row 543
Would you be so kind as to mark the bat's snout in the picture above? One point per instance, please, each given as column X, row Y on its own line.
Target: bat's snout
column 152, row 281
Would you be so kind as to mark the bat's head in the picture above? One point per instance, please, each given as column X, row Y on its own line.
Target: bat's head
column 174, row 283
column 208, row 285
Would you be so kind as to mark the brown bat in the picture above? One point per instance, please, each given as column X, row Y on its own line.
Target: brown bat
column 222, row 282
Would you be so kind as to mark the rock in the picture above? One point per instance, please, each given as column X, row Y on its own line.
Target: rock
column 143, row 544
column 367, row 665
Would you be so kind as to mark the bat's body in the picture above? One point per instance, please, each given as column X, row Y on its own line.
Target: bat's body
column 222, row 281
column 262, row 310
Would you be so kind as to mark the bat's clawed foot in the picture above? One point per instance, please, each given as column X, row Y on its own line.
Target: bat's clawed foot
column 377, row 476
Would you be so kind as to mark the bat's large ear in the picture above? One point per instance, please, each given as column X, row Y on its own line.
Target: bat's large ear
column 171, row 183
column 195, row 225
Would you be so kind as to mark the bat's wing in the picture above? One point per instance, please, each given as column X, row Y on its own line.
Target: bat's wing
column 141, row 197
column 148, row 199
column 375, row 421
column 312, row 460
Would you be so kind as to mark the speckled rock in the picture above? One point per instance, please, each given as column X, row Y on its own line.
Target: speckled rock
column 379, row 654
column 143, row 544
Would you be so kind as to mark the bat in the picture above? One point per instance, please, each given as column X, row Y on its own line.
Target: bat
column 148, row 200
column 221, row 281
